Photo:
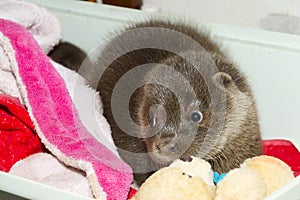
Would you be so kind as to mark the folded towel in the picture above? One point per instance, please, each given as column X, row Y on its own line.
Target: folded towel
column 56, row 118
column 45, row 168
column 43, row 25
column 38, row 21
column 89, row 108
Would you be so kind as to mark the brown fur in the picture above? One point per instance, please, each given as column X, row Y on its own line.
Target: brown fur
column 226, row 144
column 68, row 55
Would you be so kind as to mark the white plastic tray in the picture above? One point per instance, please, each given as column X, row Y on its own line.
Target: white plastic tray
column 27, row 189
column 271, row 60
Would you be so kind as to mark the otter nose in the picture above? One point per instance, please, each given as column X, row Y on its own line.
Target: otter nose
column 167, row 147
column 173, row 147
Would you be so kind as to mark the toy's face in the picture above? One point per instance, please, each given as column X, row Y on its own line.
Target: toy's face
column 173, row 183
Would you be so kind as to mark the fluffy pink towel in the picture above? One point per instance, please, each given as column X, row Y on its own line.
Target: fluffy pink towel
column 55, row 118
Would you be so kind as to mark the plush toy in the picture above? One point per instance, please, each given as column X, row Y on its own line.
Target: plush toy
column 181, row 180
column 255, row 179
column 273, row 171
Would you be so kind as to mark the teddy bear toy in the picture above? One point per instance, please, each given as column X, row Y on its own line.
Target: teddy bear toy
column 256, row 178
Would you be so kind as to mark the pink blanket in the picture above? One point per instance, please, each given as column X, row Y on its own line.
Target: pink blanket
column 55, row 117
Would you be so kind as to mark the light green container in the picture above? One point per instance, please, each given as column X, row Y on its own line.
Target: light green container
column 271, row 61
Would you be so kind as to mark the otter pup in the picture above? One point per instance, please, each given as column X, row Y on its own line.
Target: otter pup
column 170, row 92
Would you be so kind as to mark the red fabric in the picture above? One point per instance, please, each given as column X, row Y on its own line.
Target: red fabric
column 285, row 151
column 17, row 137
column 132, row 192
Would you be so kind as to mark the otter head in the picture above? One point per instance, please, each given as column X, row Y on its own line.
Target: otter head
column 174, row 112
column 177, row 115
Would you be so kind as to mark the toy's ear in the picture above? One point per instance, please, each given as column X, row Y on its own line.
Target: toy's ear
column 222, row 80
column 186, row 158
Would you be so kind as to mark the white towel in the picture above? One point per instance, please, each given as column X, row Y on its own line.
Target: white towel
column 43, row 25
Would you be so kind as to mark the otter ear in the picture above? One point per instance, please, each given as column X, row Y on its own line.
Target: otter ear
column 222, row 80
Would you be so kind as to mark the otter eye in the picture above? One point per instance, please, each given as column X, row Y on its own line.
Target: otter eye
column 152, row 121
column 196, row 116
